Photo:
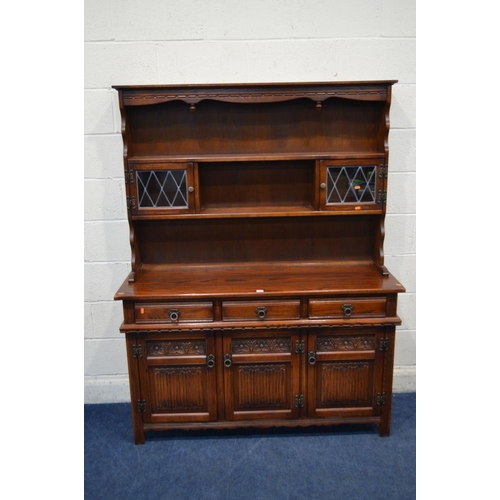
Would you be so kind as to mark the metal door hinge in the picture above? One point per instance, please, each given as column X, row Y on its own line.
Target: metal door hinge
column 141, row 406
column 129, row 177
column 383, row 171
column 385, row 344
column 382, row 196
column 299, row 401
column 381, row 398
column 137, row 351
column 300, row 346
column 131, row 202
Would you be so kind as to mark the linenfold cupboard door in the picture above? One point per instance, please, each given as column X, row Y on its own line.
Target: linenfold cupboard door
column 178, row 377
column 261, row 375
column 344, row 372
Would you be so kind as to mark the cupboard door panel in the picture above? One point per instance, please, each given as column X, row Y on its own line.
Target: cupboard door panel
column 344, row 383
column 178, row 378
column 261, row 375
column 344, row 372
column 178, row 388
column 261, row 386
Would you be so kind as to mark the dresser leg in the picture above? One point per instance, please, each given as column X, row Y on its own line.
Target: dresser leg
column 386, row 409
column 139, row 434
column 135, row 387
column 385, row 427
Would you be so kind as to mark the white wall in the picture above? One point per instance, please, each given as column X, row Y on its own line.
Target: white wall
column 218, row 41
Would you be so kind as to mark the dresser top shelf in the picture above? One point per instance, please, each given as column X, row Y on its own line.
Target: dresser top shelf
column 134, row 95
column 257, row 280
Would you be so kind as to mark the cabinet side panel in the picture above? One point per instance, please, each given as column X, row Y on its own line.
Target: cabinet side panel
column 128, row 151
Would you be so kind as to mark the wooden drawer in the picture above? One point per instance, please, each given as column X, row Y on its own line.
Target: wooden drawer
column 174, row 312
column 348, row 307
column 260, row 310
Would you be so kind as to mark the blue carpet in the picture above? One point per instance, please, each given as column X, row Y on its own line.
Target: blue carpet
column 345, row 462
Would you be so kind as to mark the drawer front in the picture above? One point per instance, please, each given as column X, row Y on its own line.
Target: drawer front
column 260, row 310
column 348, row 307
column 174, row 312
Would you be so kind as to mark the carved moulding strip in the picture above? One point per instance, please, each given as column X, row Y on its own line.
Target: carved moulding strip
column 257, row 327
column 345, row 343
column 262, row 423
column 176, row 347
column 133, row 98
column 243, row 346
column 346, row 365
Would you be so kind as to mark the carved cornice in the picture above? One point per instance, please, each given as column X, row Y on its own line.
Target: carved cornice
column 145, row 96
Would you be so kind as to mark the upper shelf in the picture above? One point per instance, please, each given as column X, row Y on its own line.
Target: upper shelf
column 246, row 157
column 267, row 128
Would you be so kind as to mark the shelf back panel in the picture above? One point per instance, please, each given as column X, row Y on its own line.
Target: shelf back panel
column 287, row 239
column 256, row 184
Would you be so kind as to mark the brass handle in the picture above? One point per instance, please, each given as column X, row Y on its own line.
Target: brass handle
column 347, row 309
column 322, row 185
column 261, row 312
column 311, row 358
column 228, row 360
column 210, row 360
column 174, row 314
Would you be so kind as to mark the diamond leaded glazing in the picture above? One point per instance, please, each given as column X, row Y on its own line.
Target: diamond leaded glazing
column 162, row 188
column 348, row 184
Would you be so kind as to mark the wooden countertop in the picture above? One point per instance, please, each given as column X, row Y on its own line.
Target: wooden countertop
column 257, row 280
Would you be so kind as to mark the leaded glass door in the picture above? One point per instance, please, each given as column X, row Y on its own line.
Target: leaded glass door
column 161, row 188
column 351, row 185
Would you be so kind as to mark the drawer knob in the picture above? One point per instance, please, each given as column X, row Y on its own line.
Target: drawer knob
column 174, row 314
column 261, row 312
column 347, row 309
column 228, row 360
